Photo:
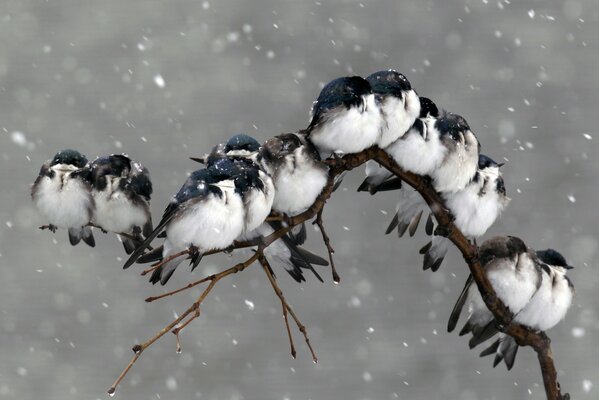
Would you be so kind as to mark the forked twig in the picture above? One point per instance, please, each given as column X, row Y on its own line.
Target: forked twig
column 287, row 309
column 194, row 308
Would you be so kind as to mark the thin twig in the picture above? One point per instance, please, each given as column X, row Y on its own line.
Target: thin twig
column 139, row 348
column 327, row 243
column 287, row 308
column 279, row 292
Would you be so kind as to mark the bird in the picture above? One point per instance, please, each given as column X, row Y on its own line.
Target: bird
column 516, row 276
column 207, row 213
column 64, row 197
column 122, row 189
column 299, row 175
column 474, row 209
column 345, row 118
column 459, row 163
column 412, row 151
column 398, row 102
column 545, row 309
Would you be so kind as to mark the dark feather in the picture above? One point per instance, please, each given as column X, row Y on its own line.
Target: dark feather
column 151, row 256
column 459, row 305
column 392, row 224
column 430, row 225
column 414, row 223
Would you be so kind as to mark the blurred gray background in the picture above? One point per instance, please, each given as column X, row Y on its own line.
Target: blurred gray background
column 164, row 80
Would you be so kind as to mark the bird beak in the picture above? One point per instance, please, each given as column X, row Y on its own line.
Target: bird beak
column 568, row 267
column 501, row 164
column 198, row 159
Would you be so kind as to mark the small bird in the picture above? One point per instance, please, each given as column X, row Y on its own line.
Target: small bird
column 292, row 162
column 121, row 188
column 545, row 309
column 459, row 164
column 514, row 272
column 298, row 174
column 474, row 208
column 64, row 197
column 345, row 118
column 416, row 151
column 398, row 103
column 208, row 213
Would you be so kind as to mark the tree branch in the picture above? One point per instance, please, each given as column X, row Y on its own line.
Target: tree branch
column 523, row 335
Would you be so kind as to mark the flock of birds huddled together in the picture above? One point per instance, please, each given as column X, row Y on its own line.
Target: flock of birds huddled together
column 243, row 181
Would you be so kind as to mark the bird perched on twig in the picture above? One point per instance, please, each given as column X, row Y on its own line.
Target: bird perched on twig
column 474, row 208
column 533, row 285
column 121, row 188
column 208, row 213
column 64, row 197
column 415, row 151
column 545, row 309
column 345, row 117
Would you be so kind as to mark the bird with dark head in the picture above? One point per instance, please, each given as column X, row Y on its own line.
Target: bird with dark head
column 122, row 189
column 63, row 195
column 345, row 117
column 398, row 102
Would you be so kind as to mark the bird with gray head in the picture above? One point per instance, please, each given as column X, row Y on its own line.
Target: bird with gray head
column 122, row 189
column 516, row 276
column 63, row 196
column 545, row 309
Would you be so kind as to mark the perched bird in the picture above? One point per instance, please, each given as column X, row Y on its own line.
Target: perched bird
column 345, row 118
column 64, row 197
column 474, row 208
column 292, row 162
column 398, row 102
column 514, row 272
column 460, row 161
column 545, row 309
column 298, row 174
column 121, row 188
column 416, row 151
column 208, row 213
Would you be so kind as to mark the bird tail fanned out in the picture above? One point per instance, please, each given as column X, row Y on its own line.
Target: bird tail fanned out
column 164, row 272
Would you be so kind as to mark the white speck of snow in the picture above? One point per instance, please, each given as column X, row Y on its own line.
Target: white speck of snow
column 572, row 198
column 47, row 49
column 270, row 54
column 531, row 13
column 587, row 385
column 247, row 28
column 530, row 145
column 405, row 344
column 143, row 139
column 22, row 371
column 511, row 109
column 159, row 81
column 206, row 5
column 234, row 341
column 578, row 332
column 370, row 329
column 345, row 228
column 249, row 304
column 355, row 302
column 18, row 138
column 105, row 305
column 9, row 224
column 141, row 46
column 367, row 376
column 171, row 383
column 587, row 136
